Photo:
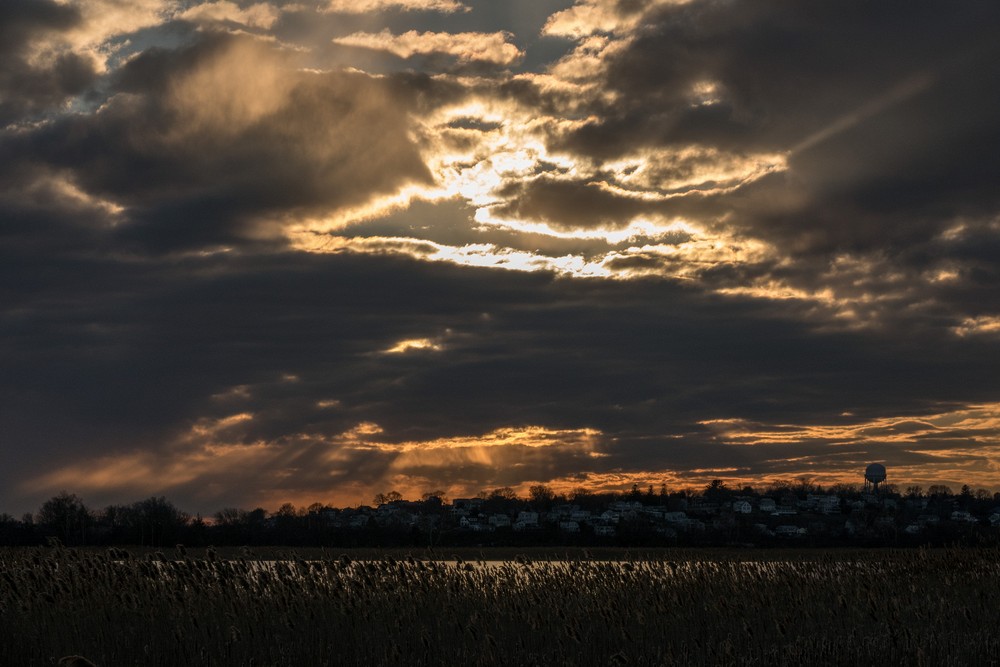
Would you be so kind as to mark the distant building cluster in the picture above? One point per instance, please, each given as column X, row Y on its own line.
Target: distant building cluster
column 827, row 514
column 875, row 513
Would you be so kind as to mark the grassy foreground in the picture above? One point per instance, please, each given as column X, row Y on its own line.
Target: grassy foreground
column 900, row 607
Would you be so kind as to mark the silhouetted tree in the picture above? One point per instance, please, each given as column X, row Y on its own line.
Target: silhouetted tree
column 158, row 521
column 286, row 512
column 804, row 485
column 67, row 517
column 116, row 522
column 504, row 493
column 12, row 531
column 717, row 491
column 541, row 496
column 229, row 516
column 386, row 498
column 287, row 524
column 502, row 499
column 432, row 501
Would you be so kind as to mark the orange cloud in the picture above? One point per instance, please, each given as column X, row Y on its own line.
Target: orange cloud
column 215, row 462
column 465, row 46
column 211, row 460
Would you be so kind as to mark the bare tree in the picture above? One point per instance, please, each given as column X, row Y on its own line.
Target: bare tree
column 385, row 498
column 541, row 496
column 67, row 516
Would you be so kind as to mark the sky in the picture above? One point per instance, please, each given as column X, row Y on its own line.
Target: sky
column 310, row 251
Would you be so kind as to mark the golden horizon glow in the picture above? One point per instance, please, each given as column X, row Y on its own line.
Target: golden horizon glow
column 964, row 448
column 973, row 420
column 210, row 452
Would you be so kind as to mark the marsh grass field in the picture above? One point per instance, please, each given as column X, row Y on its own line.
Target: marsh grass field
column 117, row 608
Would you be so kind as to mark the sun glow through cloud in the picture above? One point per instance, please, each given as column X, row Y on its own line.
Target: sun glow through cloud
column 476, row 165
column 414, row 345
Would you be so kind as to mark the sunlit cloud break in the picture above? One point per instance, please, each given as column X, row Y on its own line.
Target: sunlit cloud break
column 465, row 46
column 367, row 6
column 415, row 345
column 261, row 15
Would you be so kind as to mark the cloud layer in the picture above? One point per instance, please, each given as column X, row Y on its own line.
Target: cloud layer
column 256, row 252
column 465, row 47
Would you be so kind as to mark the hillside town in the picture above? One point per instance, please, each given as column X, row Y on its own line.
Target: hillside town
column 784, row 514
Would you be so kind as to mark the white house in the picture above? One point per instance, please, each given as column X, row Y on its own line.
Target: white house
column 827, row 504
column 569, row 526
column 742, row 507
column 604, row 531
column 527, row 518
column 625, row 506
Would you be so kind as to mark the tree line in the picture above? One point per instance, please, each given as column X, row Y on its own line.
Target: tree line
column 157, row 522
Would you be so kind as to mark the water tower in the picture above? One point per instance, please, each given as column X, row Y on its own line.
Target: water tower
column 874, row 475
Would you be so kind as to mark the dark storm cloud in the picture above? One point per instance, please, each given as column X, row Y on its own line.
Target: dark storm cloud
column 785, row 71
column 889, row 109
column 202, row 144
column 108, row 354
column 30, row 84
column 568, row 204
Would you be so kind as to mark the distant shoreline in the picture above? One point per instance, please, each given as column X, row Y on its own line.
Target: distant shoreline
column 506, row 553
